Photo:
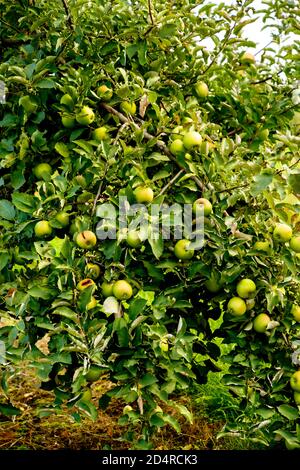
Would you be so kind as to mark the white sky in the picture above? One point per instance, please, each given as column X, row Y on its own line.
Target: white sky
column 253, row 31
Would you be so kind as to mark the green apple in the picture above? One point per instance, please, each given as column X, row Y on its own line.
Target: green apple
column 205, row 203
column 191, row 139
column 297, row 398
column 282, row 232
column 63, row 218
column 92, row 303
column 42, row 229
column 43, row 171
column 182, row 251
column 94, row 373
column 295, row 244
column 295, row 381
column 67, row 101
column 107, row 288
column 85, row 283
column 247, row 58
column 93, row 270
column 122, row 290
column 143, row 194
column 86, row 395
column 128, row 107
column 296, row 312
column 236, row 306
column 263, row 134
column 201, row 89
column 101, row 133
column 104, row 92
column 262, row 246
column 86, row 239
column 177, row 148
column 133, row 239
column 246, row 288
column 85, row 116
column 68, row 120
column 261, row 322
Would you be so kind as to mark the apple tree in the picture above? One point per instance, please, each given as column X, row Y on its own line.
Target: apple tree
column 105, row 100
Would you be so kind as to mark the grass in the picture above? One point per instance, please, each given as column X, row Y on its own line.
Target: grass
column 210, row 404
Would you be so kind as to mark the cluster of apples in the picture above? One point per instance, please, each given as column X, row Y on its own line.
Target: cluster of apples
column 182, row 249
column 185, row 141
column 238, row 305
column 119, row 290
column 295, row 385
column 85, row 115
column 284, row 233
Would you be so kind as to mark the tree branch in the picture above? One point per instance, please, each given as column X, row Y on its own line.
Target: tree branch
column 150, row 12
column 169, row 184
column 224, row 44
column 159, row 143
column 69, row 18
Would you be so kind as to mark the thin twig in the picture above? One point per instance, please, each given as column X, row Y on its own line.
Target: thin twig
column 240, row 186
column 224, row 44
column 270, row 42
column 159, row 143
column 150, row 12
column 10, row 26
column 167, row 186
column 99, row 190
column 69, row 18
column 263, row 80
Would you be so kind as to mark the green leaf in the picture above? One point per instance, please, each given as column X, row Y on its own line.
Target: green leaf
column 9, row 120
column 288, row 411
column 66, row 312
column 157, row 246
column 136, row 307
column 45, row 83
column 9, row 410
column 167, row 30
column 262, row 182
column 147, row 380
column 41, row 292
column 24, row 202
column 172, row 422
column 294, row 181
column 7, row 210
column 4, row 259
column 265, row 413
column 88, row 408
column 120, row 326
column 142, row 52
column 62, row 149
column 156, row 420
column 17, row 178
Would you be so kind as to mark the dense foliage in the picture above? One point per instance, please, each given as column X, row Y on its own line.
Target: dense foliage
column 166, row 335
